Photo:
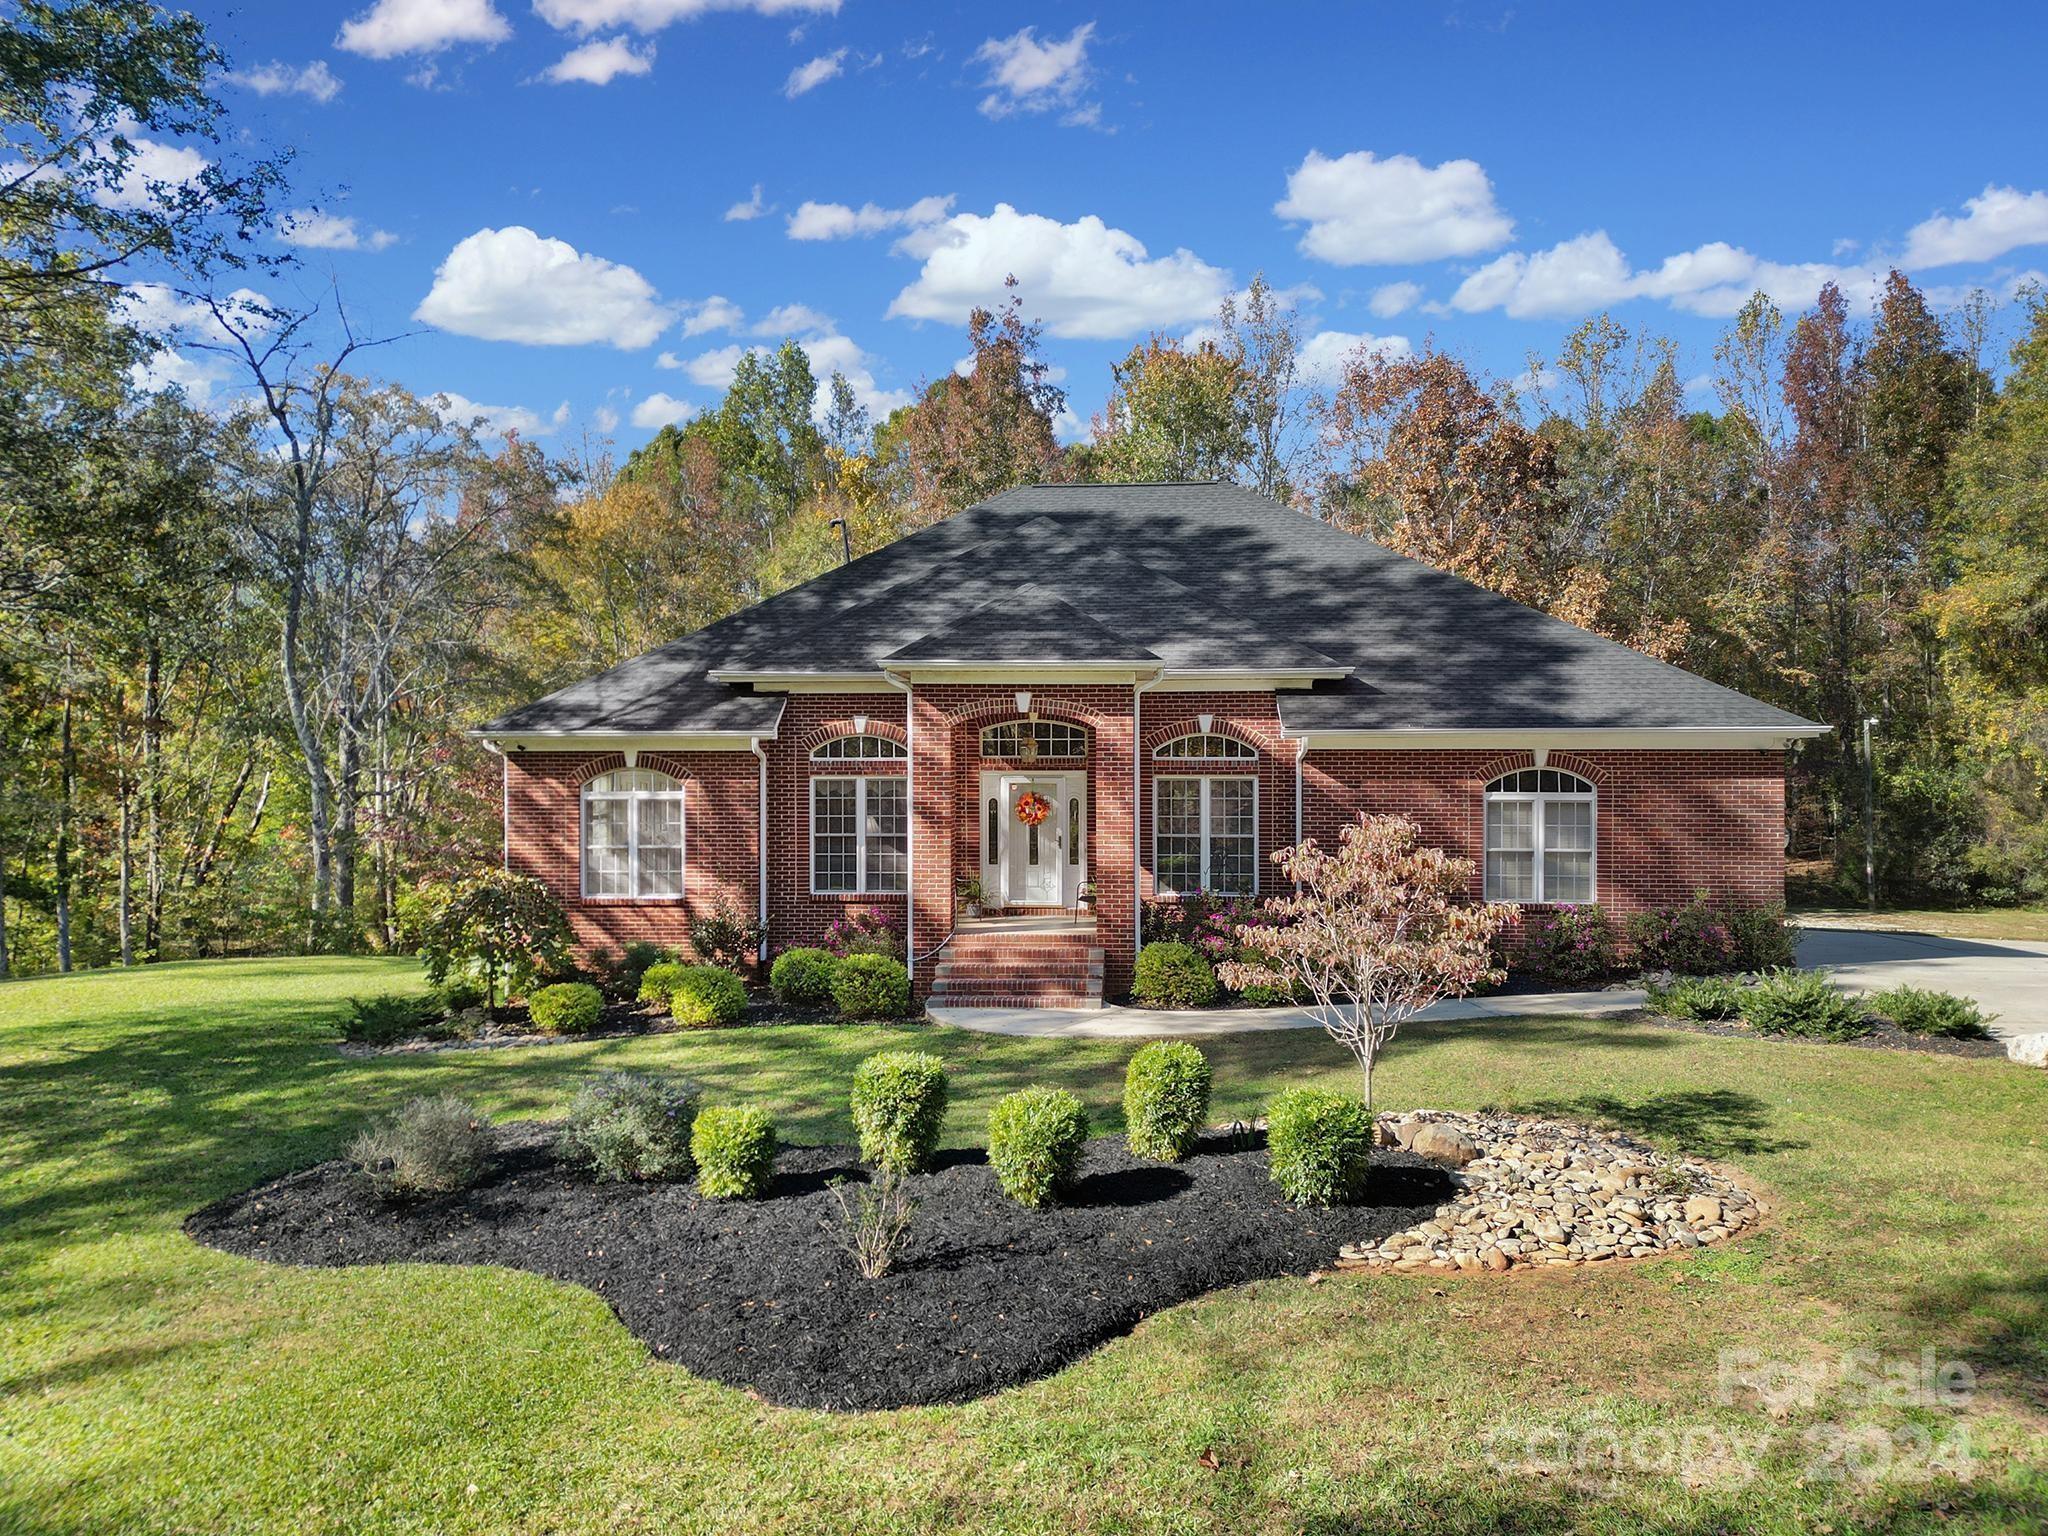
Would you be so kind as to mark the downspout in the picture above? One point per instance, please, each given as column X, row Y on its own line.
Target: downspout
column 504, row 804
column 1300, row 752
column 761, row 848
column 910, row 799
column 1138, row 812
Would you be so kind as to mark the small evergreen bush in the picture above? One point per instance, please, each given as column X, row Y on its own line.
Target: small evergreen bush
column 1320, row 1145
column 727, row 937
column 1699, row 997
column 870, row 987
column 1762, row 936
column 1173, row 975
column 1035, row 1137
column 1802, row 1004
column 385, row 1018
column 734, row 1148
column 705, row 995
column 431, row 1146
column 1166, row 1099
column 659, row 980
column 629, row 1125
column 459, row 994
column 632, row 963
column 899, row 1105
column 1923, row 1011
column 802, row 978
column 566, row 1008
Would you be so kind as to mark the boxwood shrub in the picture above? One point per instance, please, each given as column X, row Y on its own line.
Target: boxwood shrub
column 870, row 987
column 802, row 978
column 899, row 1105
column 1166, row 1099
column 1923, row 1011
column 630, row 1125
column 1320, row 1144
column 1173, row 975
column 734, row 1148
column 1803, row 1005
column 658, row 981
column 430, row 1146
column 1035, row 1137
column 566, row 1008
column 704, row 995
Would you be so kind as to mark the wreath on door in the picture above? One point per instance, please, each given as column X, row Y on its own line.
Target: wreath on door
column 1033, row 808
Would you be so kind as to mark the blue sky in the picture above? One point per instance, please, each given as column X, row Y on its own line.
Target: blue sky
column 549, row 194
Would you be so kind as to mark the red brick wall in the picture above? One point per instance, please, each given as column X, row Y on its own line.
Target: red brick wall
column 795, row 916
column 1669, row 823
column 543, row 794
column 1252, row 718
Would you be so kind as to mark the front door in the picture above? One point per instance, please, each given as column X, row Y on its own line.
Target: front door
column 1042, row 865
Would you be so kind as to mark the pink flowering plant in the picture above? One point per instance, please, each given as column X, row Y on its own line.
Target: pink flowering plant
column 1212, row 925
column 864, row 931
column 1371, row 934
column 1569, row 944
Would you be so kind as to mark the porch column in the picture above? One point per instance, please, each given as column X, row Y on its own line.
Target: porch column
column 1109, row 851
column 934, row 815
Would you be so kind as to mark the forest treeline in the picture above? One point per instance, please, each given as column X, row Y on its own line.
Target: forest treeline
column 240, row 643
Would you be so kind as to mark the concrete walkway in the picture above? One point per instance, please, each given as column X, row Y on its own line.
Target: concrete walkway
column 2007, row 977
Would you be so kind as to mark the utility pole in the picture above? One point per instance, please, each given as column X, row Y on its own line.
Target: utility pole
column 1869, row 817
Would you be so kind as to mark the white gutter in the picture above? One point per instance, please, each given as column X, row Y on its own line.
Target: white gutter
column 910, row 843
column 1300, row 752
column 1138, row 811
column 1711, row 738
column 761, row 849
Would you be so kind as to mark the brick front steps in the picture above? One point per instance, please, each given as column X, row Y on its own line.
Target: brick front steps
column 1019, row 970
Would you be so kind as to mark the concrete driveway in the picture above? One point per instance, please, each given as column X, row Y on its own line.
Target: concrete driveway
column 2005, row 976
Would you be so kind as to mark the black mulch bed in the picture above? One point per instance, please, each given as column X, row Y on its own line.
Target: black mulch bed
column 760, row 1296
column 1884, row 1036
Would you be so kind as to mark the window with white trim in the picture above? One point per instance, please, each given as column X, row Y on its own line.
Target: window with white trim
column 1206, row 746
column 633, row 835
column 1205, row 835
column 860, row 835
column 859, row 749
column 1540, row 837
column 1026, row 741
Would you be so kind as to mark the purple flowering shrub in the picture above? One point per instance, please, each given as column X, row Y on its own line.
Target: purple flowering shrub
column 864, row 931
column 1209, row 924
column 1706, row 937
column 1569, row 944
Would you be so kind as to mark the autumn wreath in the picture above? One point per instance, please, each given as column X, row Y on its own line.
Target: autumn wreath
column 1033, row 808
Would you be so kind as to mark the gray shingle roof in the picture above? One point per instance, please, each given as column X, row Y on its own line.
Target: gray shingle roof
column 1200, row 575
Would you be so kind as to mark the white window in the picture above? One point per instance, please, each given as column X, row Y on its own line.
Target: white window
column 1205, row 835
column 860, row 835
column 859, row 749
column 1539, row 837
column 1026, row 741
column 1206, row 747
column 633, row 835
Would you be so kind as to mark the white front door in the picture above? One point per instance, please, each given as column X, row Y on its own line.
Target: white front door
column 1042, row 865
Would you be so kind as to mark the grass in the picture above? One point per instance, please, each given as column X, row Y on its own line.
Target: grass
column 148, row 1385
column 2025, row 923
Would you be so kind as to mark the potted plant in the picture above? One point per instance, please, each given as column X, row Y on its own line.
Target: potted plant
column 1086, row 896
column 972, row 897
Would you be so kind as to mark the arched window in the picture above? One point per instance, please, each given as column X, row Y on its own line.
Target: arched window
column 633, row 834
column 859, row 749
column 1026, row 741
column 1205, row 746
column 1539, row 837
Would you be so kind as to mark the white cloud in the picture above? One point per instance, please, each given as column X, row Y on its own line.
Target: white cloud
column 512, row 285
column 808, row 77
column 319, row 231
column 660, row 410
column 653, row 15
column 717, row 313
column 393, row 27
column 752, row 208
column 1999, row 219
column 829, row 353
column 497, row 420
column 198, row 377
column 1082, row 279
column 278, row 78
column 1026, row 75
column 152, row 169
column 836, row 221
column 605, row 419
column 599, row 62
column 794, row 320
column 1391, row 299
column 157, row 309
column 1362, row 210
column 1323, row 356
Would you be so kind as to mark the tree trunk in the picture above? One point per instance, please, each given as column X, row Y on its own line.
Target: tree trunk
column 152, row 804
column 66, row 772
column 347, row 791
column 126, row 919
column 3, row 914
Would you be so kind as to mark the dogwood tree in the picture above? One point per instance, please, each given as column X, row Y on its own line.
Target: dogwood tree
column 1373, row 933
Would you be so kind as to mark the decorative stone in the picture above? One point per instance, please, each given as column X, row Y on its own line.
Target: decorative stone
column 1443, row 1144
column 2028, row 1050
column 1703, row 1211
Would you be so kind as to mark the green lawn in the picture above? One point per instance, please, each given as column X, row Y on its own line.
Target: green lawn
column 1954, row 923
column 147, row 1384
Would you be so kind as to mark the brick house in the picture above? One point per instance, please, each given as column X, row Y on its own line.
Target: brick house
column 1176, row 680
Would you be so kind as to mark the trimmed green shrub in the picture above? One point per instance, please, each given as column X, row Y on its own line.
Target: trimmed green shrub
column 899, row 1105
column 1035, row 1137
column 1802, row 1004
column 459, row 994
column 632, row 963
column 1923, row 1011
column 1320, row 1144
column 659, row 980
column 1699, row 997
column 704, row 995
column 566, row 1008
column 630, row 1125
column 735, row 1152
column 1173, row 975
column 385, row 1018
column 431, row 1146
column 870, row 987
column 802, row 978
column 1166, row 1099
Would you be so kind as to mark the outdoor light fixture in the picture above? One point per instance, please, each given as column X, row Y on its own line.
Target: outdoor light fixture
column 1023, row 703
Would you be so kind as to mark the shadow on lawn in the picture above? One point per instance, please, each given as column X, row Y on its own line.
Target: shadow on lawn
column 1711, row 1122
column 1999, row 1324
